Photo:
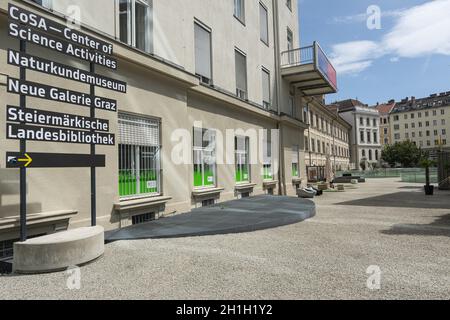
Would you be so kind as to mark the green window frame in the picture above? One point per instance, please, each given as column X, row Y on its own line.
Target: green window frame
column 139, row 156
column 295, row 162
column 205, row 167
column 267, row 157
column 242, row 159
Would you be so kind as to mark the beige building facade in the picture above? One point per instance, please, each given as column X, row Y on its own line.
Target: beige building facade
column 327, row 138
column 207, row 85
column 385, row 122
column 425, row 122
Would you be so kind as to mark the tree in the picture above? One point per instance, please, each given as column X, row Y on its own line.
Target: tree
column 406, row 153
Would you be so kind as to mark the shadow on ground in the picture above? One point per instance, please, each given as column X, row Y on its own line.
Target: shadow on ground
column 403, row 200
column 439, row 227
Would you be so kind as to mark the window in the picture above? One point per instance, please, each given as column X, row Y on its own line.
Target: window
column 420, row 124
column 305, row 114
column 139, row 156
column 444, row 132
column 374, row 122
column 435, row 132
column 142, row 218
column 375, row 137
column 444, row 142
column 370, row 155
column 361, row 136
column 405, row 116
column 396, row 118
column 369, row 138
column 368, row 122
column 241, row 74
column 427, row 123
column 267, row 156
column 295, row 162
column 313, row 145
column 204, row 158
column 406, row 126
column 413, row 125
column 442, row 111
column 427, row 113
column 361, row 121
column 318, row 146
column 434, row 112
column 435, row 122
column 289, row 4
column 241, row 148
column 412, row 115
column 363, row 153
column 386, row 140
column 266, row 88
column 420, row 134
column 44, row 3
column 385, row 131
column 239, row 10
column 443, row 122
column 407, row 135
column 203, row 53
column 397, row 136
column 413, row 134
column 376, row 155
column 306, row 144
column 290, row 40
column 263, row 24
column 428, row 133
column 135, row 23
column 419, row 114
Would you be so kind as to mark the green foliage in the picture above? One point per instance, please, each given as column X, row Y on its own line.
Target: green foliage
column 405, row 153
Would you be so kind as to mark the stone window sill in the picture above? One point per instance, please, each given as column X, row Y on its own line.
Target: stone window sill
column 133, row 204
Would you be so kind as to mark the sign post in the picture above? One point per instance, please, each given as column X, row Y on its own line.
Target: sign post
column 25, row 123
column 23, row 149
column 93, row 169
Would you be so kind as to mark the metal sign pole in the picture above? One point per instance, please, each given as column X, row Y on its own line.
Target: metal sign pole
column 93, row 168
column 23, row 171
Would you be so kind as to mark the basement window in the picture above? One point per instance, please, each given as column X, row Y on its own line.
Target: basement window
column 142, row 218
column 6, row 248
column 208, row 203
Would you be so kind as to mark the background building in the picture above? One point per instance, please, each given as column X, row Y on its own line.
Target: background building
column 385, row 122
column 424, row 121
column 224, row 65
column 326, row 138
column 365, row 135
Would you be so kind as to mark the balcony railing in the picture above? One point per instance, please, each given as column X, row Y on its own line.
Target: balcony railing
column 310, row 55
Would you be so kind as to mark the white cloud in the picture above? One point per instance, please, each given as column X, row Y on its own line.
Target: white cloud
column 419, row 31
column 355, row 56
column 362, row 17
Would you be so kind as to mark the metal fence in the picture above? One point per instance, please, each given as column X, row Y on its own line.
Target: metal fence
column 413, row 175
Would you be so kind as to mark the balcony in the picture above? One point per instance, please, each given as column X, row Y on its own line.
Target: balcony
column 309, row 70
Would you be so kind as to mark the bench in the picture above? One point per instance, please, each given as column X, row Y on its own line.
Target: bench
column 58, row 251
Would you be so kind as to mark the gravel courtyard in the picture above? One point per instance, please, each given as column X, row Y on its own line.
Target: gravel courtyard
column 382, row 223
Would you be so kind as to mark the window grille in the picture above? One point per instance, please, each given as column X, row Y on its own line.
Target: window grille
column 139, row 156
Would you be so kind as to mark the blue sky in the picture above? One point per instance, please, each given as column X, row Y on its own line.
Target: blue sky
column 408, row 56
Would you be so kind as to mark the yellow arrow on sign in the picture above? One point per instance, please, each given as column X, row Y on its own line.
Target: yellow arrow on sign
column 27, row 159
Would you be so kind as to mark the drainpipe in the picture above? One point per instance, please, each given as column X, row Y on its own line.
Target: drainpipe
column 277, row 55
